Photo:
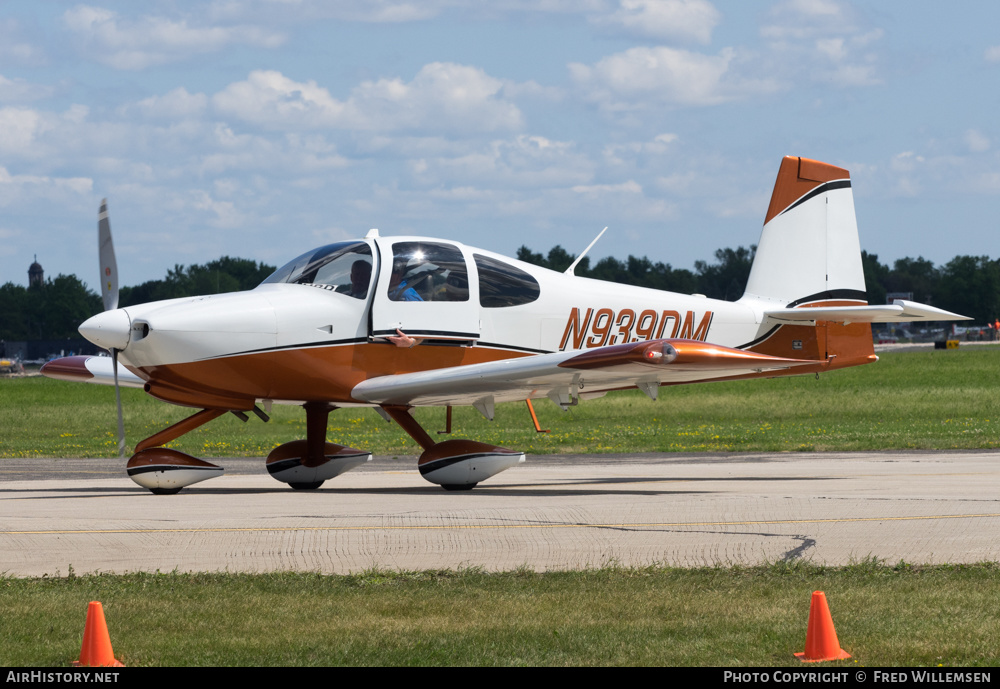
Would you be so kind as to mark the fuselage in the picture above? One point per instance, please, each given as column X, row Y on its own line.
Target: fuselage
column 314, row 330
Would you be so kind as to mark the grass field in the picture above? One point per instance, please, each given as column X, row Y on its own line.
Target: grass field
column 911, row 400
column 884, row 615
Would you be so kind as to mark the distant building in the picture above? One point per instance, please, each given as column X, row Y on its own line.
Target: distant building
column 36, row 276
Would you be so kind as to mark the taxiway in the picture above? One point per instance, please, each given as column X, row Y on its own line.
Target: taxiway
column 554, row 512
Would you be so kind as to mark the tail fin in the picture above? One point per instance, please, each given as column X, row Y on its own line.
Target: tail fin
column 807, row 282
column 809, row 255
column 809, row 249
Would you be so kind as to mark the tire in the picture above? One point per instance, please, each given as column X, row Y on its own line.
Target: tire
column 306, row 486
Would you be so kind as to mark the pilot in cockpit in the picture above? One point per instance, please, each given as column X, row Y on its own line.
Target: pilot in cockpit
column 361, row 275
column 402, row 281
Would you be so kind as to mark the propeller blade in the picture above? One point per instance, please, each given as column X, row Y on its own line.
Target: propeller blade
column 118, row 399
column 109, row 266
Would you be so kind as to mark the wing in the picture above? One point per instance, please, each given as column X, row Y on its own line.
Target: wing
column 563, row 376
column 90, row 369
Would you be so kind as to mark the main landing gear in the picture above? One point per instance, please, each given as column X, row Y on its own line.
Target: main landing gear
column 306, row 464
column 455, row 465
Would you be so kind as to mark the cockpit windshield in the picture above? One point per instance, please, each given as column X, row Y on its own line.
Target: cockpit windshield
column 345, row 268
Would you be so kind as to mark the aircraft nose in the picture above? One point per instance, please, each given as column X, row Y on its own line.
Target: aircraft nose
column 109, row 329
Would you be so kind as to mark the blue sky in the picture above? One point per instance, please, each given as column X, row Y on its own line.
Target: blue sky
column 261, row 128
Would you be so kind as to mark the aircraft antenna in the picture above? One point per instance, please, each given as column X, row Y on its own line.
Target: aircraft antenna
column 569, row 271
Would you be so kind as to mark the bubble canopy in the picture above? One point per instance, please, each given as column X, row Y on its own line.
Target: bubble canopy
column 332, row 264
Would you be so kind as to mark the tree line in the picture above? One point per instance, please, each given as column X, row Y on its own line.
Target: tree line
column 969, row 285
column 54, row 309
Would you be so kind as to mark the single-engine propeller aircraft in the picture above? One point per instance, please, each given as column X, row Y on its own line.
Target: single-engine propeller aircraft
column 399, row 322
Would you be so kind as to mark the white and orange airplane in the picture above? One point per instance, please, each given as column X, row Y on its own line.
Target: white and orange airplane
column 400, row 322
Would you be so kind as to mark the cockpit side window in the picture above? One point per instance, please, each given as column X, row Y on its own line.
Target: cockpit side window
column 345, row 268
column 501, row 284
column 427, row 271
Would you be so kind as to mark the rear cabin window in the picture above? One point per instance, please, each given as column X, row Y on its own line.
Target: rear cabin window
column 502, row 285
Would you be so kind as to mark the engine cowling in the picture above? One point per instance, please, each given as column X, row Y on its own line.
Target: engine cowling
column 290, row 463
column 461, row 464
column 164, row 471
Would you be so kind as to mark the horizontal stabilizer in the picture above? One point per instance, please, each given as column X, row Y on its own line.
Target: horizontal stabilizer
column 90, row 369
column 900, row 311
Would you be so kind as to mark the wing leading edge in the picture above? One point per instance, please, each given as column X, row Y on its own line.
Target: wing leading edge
column 563, row 376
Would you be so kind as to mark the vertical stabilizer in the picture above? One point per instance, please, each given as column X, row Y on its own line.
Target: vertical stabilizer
column 809, row 249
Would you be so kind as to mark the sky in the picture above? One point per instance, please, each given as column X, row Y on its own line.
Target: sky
column 262, row 128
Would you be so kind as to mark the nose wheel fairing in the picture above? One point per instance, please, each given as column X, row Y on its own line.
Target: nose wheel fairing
column 164, row 471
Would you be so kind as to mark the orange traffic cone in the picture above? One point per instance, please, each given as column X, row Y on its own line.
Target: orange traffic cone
column 821, row 637
column 96, row 651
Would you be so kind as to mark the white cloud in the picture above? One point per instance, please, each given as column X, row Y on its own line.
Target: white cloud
column 386, row 11
column 805, row 19
column 270, row 98
column 661, row 75
column 395, row 11
column 853, row 75
column 532, row 89
column 14, row 48
column 976, row 141
column 442, row 96
column 622, row 154
column 946, row 175
column 629, row 187
column 685, row 20
column 21, row 188
column 221, row 213
column 678, row 183
column 992, row 54
column 659, row 145
column 150, row 40
column 371, row 11
column 529, row 162
column 9, row 241
column 907, row 168
column 821, row 40
column 175, row 105
column 907, row 161
column 18, row 129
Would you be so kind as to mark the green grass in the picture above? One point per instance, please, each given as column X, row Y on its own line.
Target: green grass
column 884, row 616
column 911, row 400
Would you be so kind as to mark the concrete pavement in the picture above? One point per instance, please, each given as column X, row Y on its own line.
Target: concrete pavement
column 554, row 512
